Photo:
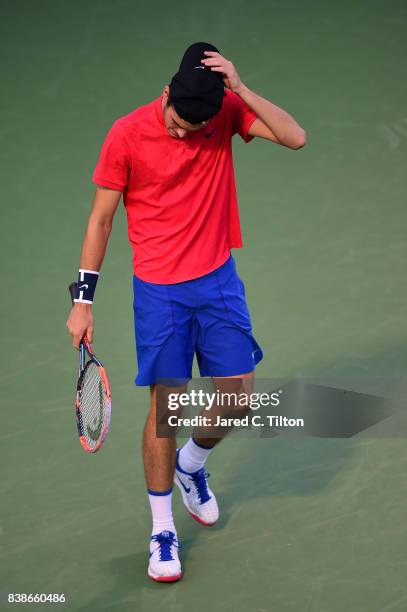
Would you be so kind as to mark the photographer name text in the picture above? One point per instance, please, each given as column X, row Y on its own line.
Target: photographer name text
column 246, row 421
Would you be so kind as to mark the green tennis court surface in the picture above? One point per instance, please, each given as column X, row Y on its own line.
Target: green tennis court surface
column 316, row 525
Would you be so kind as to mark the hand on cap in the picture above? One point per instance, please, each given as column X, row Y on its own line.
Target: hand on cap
column 218, row 63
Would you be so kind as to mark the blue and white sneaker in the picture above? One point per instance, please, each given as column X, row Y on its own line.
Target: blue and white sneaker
column 198, row 499
column 164, row 565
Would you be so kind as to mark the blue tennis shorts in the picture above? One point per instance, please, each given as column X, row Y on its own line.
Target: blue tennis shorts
column 207, row 317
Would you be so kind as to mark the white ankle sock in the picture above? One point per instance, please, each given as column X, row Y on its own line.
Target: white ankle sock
column 161, row 509
column 192, row 456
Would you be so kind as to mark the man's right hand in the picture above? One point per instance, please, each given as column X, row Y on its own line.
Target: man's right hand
column 80, row 321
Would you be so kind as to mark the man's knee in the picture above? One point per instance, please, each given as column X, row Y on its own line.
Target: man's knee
column 164, row 403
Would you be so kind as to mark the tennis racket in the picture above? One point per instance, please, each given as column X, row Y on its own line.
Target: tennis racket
column 93, row 399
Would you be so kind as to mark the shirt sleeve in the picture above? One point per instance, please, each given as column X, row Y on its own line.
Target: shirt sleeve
column 243, row 117
column 113, row 167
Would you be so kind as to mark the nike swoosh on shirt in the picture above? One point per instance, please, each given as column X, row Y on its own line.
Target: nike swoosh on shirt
column 209, row 134
column 86, row 286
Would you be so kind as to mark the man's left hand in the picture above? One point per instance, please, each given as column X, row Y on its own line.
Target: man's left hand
column 218, row 63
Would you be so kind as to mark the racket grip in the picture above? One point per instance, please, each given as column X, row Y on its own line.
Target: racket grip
column 72, row 290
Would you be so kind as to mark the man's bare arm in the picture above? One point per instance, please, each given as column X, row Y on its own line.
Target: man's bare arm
column 105, row 203
column 273, row 123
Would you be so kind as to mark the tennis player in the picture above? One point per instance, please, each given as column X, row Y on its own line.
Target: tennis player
column 171, row 159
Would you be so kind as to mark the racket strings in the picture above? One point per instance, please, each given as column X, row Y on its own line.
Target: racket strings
column 92, row 403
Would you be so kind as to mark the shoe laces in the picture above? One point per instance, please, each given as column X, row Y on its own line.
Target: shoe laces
column 199, row 479
column 166, row 540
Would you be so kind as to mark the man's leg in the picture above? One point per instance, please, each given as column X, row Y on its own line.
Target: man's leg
column 195, row 452
column 242, row 383
column 163, row 322
column 190, row 475
column 158, row 453
column 159, row 465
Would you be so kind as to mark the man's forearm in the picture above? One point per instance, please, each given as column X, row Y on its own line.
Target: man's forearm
column 94, row 244
column 285, row 128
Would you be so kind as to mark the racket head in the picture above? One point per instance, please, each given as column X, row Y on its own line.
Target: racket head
column 93, row 404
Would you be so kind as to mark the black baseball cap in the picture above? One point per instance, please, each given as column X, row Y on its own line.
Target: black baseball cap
column 196, row 92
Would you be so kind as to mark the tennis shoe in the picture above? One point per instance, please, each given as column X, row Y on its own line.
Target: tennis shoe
column 164, row 564
column 197, row 497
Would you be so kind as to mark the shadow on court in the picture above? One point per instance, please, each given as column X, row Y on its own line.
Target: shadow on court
column 278, row 468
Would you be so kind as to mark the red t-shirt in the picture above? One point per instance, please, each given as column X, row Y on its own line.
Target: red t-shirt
column 179, row 194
